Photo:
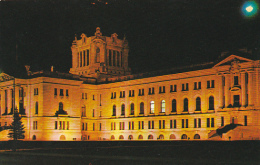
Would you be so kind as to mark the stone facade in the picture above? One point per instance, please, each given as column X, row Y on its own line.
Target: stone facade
column 100, row 100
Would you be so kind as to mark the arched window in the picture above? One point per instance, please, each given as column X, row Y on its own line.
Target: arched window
column 198, row 104
column 60, row 106
column 114, row 110
column 150, row 137
column 140, row 137
column 161, row 137
column 211, row 103
column 34, row 137
column 184, row 136
column 130, row 137
column 132, row 108
column 185, row 105
column 152, row 107
column 112, row 137
column 36, row 107
column 163, row 106
column 174, row 105
column 172, row 136
column 97, row 55
column 196, row 136
column 83, row 109
column 62, row 137
column 123, row 109
column 121, row 137
column 142, row 108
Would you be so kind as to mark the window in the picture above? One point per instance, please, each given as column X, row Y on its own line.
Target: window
column 61, row 92
column 122, row 109
column 55, row 92
column 36, row 107
column 174, row 105
column 152, row 107
column 82, row 96
column 212, row 122
column 141, row 108
column 97, row 55
column 160, row 124
column 195, row 123
column 236, row 101
column 34, row 125
column 132, row 109
column 198, row 104
column 187, row 123
column 140, row 124
column 67, row 92
column 197, row 85
column 141, row 92
column 245, row 120
column 93, row 113
column 211, row 103
column 122, row 94
column 113, row 95
column 83, row 125
column 56, row 125
column 114, row 110
column 163, row 106
column 60, row 106
column 93, row 97
column 163, row 124
column 182, row 123
column 35, row 91
column 68, row 125
column 235, row 80
column 185, row 105
column 151, row 91
column 173, row 88
column 113, row 125
column 185, row 87
column 131, row 125
column 222, row 121
column 110, row 58
column 93, row 126
column 208, row 122
column 162, row 89
column 211, row 84
column 131, row 93
column 121, row 125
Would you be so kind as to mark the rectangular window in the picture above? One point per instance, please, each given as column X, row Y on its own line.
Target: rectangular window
column 35, row 125
column 183, row 88
column 67, row 92
column 149, row 124
column 195, row 123
column 208, row 84
column 93, row 126
column 171, row 88
column 160, row 124
column 86, row 96
column 199, row 123
column 100, row 126
column 129, row 125
column 187, row 86
column 222, row 121
column 208, row 122
column 55, row 91
column 174, row 123
column 152, row 90
column 130, row 93
column 61, row 92
column 60, row 125
column 114, row 95
column 133, row 126
column 93, row 113
column 163, row 126
column 93, row 97
column 182, row 123
column 139, row 124
column 142, row 124
column 212, row 122
column 82, row 96
column 175, row 88
column 195, row 85
column 152, row 124
column 212, row 83
column 83, row 124
column 35, row 91
column 199, row 85
column 86, row 126
column 187, row 123
column 56, row 125
column 68, row 125
column 245, row 120
column 236, row 101
column 235, row 80
column 170, row 124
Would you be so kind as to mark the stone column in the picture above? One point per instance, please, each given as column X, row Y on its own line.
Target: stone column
column 221, row 91
column 227, row 93
column 243, row 89
column 250, row 88
column 9, row 99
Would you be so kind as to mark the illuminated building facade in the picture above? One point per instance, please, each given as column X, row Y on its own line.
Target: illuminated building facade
column 100, row 100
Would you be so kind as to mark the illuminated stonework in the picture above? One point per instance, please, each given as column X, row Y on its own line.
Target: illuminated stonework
column 100, row 100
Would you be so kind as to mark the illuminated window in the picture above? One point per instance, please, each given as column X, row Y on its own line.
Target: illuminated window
column 132, row 109
column 198, row 104
column 123, row 109
column 114, row 110
column 36, row 107
column 185, row 105
column 163, row 106
column 174, row 105
column 211, row 103
column 152, row 107
column 141, row 108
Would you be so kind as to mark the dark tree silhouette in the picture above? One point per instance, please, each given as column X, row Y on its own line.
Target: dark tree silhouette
column 16, row 128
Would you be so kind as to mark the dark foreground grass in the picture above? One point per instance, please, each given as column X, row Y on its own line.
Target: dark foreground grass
column 135, row 152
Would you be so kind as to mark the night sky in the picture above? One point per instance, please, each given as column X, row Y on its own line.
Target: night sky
column 161, row 34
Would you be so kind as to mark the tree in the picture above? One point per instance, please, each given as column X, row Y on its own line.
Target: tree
column 16, row 128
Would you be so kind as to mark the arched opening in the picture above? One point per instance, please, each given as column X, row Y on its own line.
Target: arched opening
column 132, row 109
column 152, row 107
column 140, row 137
column 84, row 138
column 150, row 137
column 112, row 137
column 196, row 136
column 184, row 136
column 198, row 104
column 122, row 109
column 211, row 103
column 185, row 105
column 172, row 136
column 114, row 110
column 142, row 108
column 174, row 105
column 62, row 137
column 161, row 137
column 34, row 137
column 163, row 106
column 130, row 137
column 121, row 137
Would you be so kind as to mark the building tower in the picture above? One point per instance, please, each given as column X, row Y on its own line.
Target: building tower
column 100, row 56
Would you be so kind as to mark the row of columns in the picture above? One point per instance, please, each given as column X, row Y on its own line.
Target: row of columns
column 246, row 94
column 115, row 58
column 83, row 58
